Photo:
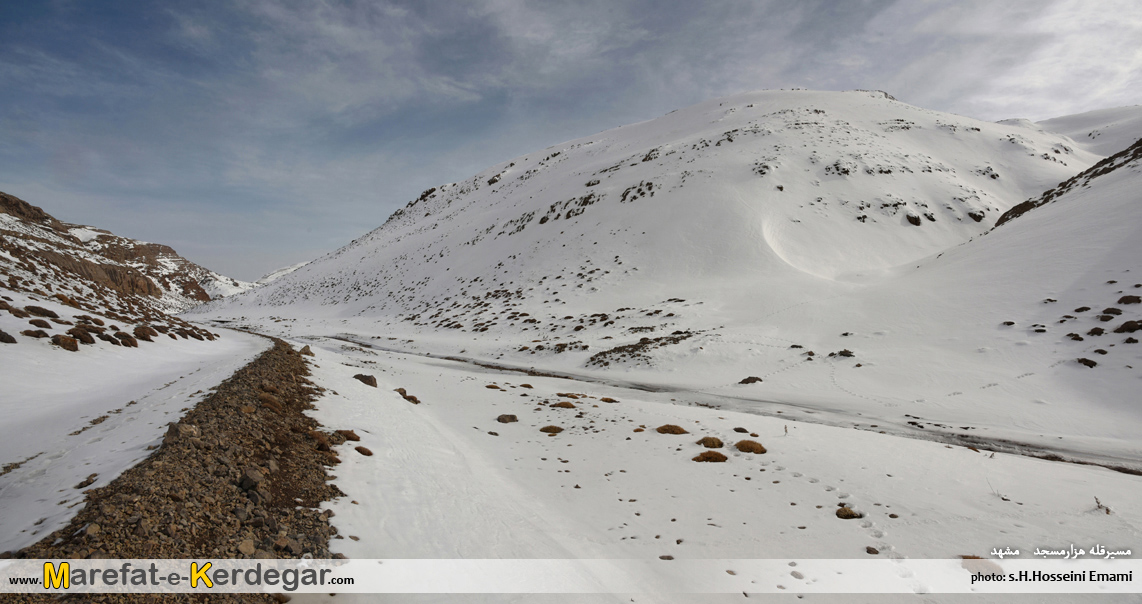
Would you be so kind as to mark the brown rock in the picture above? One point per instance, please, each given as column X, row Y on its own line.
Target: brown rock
column 1129, row 327
column 251, row 479
column 34, row 333
column 349, row 435
column 5, row 338
column 306, row 351
column 247, row 547
column 367, row 380
column 551, row 429
column 753, row 379
column 711, row 456
column 41, row 323
column 607, row 399
column 710, row 442
column 507, row 419
column 364, row 451
column 670, row 429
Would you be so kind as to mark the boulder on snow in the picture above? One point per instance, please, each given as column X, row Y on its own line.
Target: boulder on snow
column 1128, row 327
column 6, row 339
column 367, row 380
column 753, row 379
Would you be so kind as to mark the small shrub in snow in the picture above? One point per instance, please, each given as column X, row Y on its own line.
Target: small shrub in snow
column 65, row 342
column 670, row 429
column 750, row 446
column 710, row 456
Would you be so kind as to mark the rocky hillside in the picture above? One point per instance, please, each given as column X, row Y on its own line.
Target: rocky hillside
column 92, row 269
column 1128, row 158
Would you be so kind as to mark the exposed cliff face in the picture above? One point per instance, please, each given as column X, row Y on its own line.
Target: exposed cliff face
column 97, row 269
column 19, row 208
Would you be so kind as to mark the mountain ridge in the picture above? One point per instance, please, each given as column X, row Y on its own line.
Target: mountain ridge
column 152, row 274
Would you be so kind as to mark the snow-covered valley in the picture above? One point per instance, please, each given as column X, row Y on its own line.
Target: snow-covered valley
column 927, row 324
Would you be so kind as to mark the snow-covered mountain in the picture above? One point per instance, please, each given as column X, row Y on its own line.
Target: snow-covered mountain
column 828, row 244
column 279, row 273
column 98, row 269
column 1104, row 131
column 758, row 185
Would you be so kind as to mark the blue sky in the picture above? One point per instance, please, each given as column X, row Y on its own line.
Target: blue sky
column 254, row 134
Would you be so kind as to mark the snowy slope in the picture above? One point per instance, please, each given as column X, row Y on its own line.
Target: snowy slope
column 801, row 185
column 279, row 273
column 1104, row 131
column 792, row 236
column 70, row 415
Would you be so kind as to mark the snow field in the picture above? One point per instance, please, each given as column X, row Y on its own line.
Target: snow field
column 73, row 415
column 438, row 485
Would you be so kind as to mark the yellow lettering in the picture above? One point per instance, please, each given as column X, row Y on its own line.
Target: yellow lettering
column 53, row 578
column 199, row 574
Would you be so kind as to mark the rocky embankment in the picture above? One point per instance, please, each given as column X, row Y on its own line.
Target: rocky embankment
column 240, row 476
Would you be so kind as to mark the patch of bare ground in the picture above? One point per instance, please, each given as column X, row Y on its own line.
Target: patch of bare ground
column 232, row 479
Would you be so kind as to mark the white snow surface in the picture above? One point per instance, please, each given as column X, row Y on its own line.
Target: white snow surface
column 279, row 273
column 440, row 484
column 754, row 254
column 770, row 235
column 747, row 236
column 53, row 398
column 1104, row 131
